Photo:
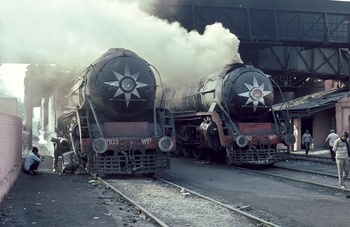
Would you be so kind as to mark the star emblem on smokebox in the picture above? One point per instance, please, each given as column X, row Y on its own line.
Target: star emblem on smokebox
column 127, row 84
column 255, row 93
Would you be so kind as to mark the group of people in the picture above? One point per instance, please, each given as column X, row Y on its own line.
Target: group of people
column 61, row 148
column 339, row 151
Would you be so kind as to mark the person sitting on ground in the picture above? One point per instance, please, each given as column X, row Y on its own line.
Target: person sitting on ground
column 69, row 163
column 32, row 161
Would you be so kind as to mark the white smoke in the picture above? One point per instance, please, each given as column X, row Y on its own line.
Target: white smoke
column 76, row 32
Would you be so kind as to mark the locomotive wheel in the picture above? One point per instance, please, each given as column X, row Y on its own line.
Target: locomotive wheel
column 186, row 151
column 197, row 154
column 77, row 149
column 209, row 155
column 214, row 143
column 177, row 151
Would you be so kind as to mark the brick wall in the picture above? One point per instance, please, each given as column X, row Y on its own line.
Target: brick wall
column 10, row 151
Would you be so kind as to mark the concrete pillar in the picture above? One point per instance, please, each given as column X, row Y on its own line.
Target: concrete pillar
column 342, row 113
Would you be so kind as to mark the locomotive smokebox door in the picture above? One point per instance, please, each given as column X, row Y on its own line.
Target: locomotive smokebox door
column 122, row 86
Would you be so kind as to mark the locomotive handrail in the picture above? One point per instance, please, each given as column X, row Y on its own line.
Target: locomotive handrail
column 95, row 117
column 161, row 84
column 228, row 117
column 284, row 100
column 209, row 91
column 83, row 81
column 154, row 103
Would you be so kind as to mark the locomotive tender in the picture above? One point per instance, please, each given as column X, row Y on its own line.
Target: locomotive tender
column 111, row 118
column 229, row 114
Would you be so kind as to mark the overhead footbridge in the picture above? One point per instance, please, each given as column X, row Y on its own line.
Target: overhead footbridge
column 291, row 40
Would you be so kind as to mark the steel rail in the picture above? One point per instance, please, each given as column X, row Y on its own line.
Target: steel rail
column 293, row 179
column 311, row 158
column 133, row 203
column 257, row 220
column 305, row 171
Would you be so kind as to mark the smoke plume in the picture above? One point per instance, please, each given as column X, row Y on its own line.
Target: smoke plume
column 76, row 32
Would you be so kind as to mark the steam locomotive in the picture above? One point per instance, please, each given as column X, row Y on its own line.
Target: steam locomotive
column 111, row 119
column 229, row 115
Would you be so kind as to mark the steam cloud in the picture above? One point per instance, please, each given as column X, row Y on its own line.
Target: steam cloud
column 76, row 32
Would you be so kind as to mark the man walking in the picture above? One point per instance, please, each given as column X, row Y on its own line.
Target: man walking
column 341, row 149
column 331, row 138
column 306, row 141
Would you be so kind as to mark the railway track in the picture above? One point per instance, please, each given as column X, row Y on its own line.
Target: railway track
column 311, row 158
column 321, row 176
column 169, row 204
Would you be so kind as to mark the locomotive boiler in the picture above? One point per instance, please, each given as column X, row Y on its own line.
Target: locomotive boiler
column 229, row 114
column 111, row 119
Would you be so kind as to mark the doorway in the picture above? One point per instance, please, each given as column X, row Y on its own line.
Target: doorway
column 307, row 124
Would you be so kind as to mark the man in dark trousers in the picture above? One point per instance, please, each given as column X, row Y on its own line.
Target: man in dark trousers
column 61, row 145
column 307, row 140
column 331, row 138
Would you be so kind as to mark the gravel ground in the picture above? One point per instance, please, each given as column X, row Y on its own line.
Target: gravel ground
column 279, row 201
column 177, row 207
column 50, row 199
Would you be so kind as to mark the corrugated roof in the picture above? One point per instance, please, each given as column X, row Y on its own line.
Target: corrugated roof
column 313, row 103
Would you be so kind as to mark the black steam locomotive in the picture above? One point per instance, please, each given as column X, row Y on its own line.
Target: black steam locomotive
column 229, row 114
column 111, row 119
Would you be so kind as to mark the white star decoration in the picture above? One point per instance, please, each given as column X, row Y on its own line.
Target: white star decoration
column 255, row 93
column 117, row 83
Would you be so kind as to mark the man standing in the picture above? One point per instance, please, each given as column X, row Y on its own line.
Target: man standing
column 341, row 149
column 61, row 145
column 306, row 141
column 330, row 140
column 32, row 161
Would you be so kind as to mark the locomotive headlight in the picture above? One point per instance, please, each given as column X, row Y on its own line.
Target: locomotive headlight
column 166, row 144
column 241, row 141
column 99, row 145
column 256, row 94
column 128, row 84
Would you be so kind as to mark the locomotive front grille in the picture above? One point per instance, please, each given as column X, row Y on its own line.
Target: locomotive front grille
column 260, row 156
column 139, row 163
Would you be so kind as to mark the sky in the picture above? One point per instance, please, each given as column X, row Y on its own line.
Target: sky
column 12, row 76
column 77, row 32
